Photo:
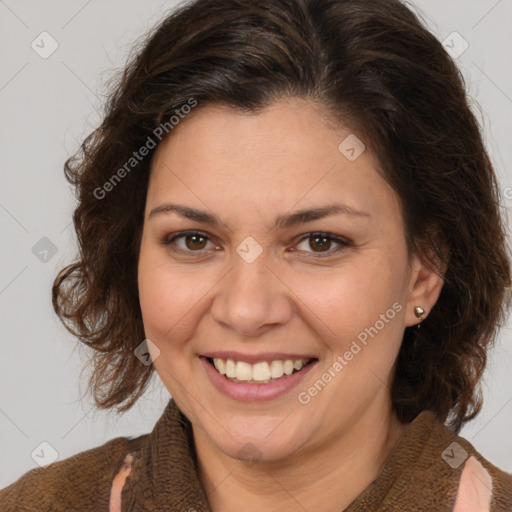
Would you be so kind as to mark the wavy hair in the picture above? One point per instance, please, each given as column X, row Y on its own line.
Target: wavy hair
column 376, row 69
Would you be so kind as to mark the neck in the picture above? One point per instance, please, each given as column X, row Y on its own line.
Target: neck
column 337, row 471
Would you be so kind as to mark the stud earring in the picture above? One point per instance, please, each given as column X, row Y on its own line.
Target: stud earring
column 419, row 311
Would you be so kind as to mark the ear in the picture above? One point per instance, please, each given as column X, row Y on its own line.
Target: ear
column 425, row 286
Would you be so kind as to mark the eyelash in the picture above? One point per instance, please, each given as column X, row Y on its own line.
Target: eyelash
column 343, row 243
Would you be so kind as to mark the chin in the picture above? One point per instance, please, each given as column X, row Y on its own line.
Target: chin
column 257, row 450
column 255, row 441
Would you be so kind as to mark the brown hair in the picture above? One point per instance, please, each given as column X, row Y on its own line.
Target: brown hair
column 377, row 70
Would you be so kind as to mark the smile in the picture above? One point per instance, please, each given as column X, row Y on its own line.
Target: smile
column 264, row 372
column 255, row 377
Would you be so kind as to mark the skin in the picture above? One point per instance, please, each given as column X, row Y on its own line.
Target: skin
column 248, row 169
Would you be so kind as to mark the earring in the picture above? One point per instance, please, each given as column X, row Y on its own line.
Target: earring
column 419, row 311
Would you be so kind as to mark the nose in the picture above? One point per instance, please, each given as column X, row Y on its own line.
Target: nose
column 252, row 298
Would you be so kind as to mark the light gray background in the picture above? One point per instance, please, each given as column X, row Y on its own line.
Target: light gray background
column 47, row 107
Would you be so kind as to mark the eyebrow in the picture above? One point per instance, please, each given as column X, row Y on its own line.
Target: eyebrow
column 282, row 222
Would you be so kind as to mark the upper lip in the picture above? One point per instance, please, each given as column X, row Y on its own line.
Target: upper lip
column 256, row 358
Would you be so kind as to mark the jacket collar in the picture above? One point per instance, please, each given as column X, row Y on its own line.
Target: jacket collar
column 164, row 475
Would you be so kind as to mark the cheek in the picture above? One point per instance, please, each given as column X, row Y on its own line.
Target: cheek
column 353, row 296
column 163, row 296
column 156, row 300
column 362, row 304
column 173, row 298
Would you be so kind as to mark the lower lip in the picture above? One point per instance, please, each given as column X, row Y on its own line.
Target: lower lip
column 255, row 392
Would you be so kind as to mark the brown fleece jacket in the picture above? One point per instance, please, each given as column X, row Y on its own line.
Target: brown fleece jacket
column 422, row 473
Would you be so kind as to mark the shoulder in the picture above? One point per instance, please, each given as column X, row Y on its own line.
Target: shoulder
column 481, row 483
column 481, row 486
column 446, row 470
column 80, row 482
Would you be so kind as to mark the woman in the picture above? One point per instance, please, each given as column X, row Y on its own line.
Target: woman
column 288, row 213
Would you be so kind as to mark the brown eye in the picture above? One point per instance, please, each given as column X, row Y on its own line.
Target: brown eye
column 191, row 243
column 321, row 243
column 195, row 241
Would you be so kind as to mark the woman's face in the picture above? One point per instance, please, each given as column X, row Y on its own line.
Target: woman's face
column 251, row 286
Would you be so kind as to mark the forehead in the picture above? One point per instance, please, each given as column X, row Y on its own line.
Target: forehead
column 286, row 128
column 291, row 152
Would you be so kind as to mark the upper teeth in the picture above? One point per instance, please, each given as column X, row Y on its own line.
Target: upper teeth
column 241, row 370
